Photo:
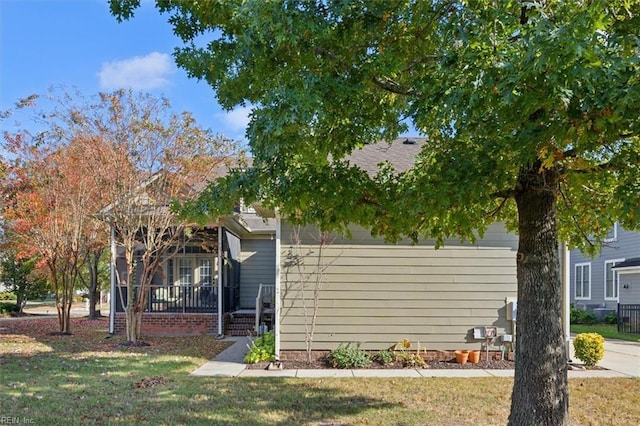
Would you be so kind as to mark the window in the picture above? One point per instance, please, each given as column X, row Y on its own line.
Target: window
column 582, row 282
column 611, row 280
column 194, row 270
column 612, row 234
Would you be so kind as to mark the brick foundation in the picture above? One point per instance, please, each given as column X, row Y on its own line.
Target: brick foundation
column 174, row 324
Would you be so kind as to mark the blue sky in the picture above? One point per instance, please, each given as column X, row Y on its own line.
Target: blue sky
column 78, row 44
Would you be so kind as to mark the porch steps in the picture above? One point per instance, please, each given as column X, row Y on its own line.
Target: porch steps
column 241, row 324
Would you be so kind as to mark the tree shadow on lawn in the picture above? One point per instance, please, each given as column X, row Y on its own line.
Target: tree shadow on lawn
column 259, row 401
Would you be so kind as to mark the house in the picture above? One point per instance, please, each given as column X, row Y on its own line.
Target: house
column 598, row 284
column 368, row 291
column 376, row 294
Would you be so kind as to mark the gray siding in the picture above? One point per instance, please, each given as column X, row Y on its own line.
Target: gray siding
column 258, row 266
column 625, row 246
column 377, row 294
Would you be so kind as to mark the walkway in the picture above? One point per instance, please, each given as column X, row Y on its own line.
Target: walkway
column 621, row 359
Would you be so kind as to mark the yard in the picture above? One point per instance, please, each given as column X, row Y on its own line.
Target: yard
column 608, row 331
column 88, row 378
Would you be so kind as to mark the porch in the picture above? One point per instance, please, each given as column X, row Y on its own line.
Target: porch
column 193, row 309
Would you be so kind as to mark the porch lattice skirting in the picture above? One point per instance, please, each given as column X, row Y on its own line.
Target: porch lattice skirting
column 175, row 324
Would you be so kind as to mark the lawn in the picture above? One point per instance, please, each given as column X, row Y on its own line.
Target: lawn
column 608, row 331
column 88, row 378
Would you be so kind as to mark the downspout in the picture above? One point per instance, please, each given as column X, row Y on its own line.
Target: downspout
column 113, row 295
column 566, row 298
column 276, row 323
column 220, row 269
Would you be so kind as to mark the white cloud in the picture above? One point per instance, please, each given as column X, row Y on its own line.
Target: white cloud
column 139, row 72
column 235, row 121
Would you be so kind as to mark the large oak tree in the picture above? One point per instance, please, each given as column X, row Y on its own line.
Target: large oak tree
column 531, row 110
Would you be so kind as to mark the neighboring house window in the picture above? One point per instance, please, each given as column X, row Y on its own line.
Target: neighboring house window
column 612, row 235
column 582, row 281
column 611, row 280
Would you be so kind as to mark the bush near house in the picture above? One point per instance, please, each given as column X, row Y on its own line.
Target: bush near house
column 582, row 316
column 611, row 318
column 262, row 349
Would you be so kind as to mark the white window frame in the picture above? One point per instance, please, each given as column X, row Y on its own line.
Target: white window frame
column 575, row 281
column 616, row 279
column 195, row 262
column 615, row 234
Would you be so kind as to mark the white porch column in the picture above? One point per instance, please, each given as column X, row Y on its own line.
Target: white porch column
column 112, row 290
column 566, row 298
column 220, row 269
column 276, row 323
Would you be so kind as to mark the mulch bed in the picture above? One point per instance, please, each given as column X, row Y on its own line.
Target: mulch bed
column 321, row 363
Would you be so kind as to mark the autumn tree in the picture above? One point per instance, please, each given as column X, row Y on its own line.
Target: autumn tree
column 530, row 108
column 50, row 211
column 157, row 158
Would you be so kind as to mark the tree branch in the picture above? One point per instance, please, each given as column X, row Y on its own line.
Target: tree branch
column 508, row 193
column 392, row 86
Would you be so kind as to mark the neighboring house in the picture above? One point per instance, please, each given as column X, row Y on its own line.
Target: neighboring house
column 600, row 283
column 370, row 292
column 629, row 278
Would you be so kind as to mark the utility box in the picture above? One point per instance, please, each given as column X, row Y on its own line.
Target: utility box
column 512, row 308
column 487, row 332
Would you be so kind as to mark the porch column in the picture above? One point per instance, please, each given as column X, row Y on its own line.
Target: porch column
column 220, row 269
column 112, row 295
column 566, row 297
column 276, row 320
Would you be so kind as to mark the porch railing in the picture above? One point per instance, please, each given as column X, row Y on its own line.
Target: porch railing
column 178, row 298
column 265, row 300
column 628, row 318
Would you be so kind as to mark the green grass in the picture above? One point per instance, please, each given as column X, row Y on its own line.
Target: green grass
column 608, row 331
column 86, row 378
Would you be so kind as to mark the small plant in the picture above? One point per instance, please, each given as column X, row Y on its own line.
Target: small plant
column 581, row 316
column 589, row 348
column 262, row 349
column 611, row 318
column 386, row 357
column 349, row 357
column 411, row 360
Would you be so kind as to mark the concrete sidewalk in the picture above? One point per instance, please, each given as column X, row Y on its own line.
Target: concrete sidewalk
column 621, row 359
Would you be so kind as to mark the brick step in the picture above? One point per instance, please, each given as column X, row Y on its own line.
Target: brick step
column 245, row 331
column 243, row 320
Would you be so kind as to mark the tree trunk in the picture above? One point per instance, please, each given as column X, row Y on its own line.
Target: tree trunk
column 93, row 260
column 132, row 325
column 540, row 393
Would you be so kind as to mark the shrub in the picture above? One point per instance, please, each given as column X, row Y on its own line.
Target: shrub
column 385, row 357
column 7, row 308
column 589, row 348
column 581, row 316
column 611, row 318
column 262, row 349
column 349, row 357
